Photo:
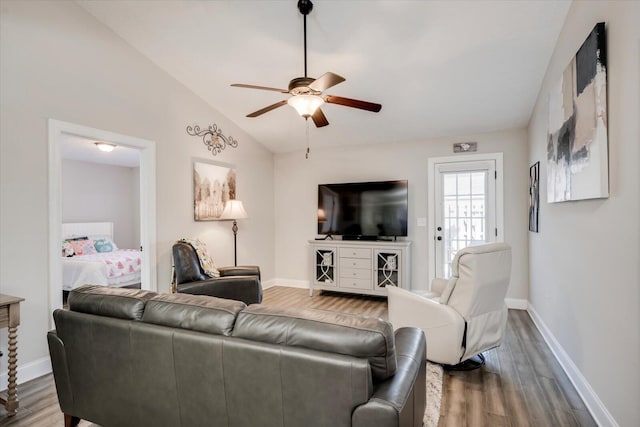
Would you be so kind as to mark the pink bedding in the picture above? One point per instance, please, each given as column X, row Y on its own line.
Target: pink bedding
column 118, row 268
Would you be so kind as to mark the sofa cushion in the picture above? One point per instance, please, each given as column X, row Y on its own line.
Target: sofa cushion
column 332, row 332
column 195, row 312
column 112, row 302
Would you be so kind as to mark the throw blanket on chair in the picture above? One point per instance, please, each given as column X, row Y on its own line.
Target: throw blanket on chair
column 206, row 262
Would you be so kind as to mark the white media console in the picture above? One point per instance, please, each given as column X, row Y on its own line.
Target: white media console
column 362, row 267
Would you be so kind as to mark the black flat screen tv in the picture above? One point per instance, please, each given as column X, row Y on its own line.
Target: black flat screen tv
column 363, row 210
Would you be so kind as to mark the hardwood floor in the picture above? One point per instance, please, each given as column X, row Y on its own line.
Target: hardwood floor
column 521, row 384
column 333, row 301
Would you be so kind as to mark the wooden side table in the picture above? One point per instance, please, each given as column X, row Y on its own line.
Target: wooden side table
column 10, row 318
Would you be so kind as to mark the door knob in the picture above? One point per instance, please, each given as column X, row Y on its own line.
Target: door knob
column 439, row 237
column 439, row 229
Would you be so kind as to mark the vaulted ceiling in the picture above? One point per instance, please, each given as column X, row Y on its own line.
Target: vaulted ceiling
column 439, row 68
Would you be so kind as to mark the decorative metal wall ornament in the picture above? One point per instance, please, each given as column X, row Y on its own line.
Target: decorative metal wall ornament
column 212, row 138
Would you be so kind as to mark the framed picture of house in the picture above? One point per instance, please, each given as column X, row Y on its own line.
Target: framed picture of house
column 534, row 196
column 214, row 183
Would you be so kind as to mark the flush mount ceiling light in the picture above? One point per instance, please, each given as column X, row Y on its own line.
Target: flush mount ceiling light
column 105, row 146
column 306, row 92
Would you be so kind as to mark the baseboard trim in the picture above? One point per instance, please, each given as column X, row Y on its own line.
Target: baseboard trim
column 290, row 283
column 516, row 303
column 266, row 284
column 598, row 410
column 28, row 372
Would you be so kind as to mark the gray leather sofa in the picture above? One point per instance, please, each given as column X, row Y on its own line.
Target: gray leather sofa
column 126, row 357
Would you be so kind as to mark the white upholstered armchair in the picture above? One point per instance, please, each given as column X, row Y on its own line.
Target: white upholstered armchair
column 465, row 315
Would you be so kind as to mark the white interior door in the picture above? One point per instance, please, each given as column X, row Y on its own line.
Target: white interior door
column 464, row 195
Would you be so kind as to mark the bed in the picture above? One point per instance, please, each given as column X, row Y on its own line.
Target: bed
column 96, row 258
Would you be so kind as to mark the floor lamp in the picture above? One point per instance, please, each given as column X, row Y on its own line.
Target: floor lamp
column 234, row 210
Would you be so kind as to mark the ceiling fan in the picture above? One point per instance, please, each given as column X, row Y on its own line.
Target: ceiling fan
column 307, row 92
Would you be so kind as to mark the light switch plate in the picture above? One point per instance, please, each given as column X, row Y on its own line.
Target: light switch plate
column 422, row 222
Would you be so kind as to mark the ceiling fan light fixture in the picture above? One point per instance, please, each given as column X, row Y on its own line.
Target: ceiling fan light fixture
column 305, row 105
column 307, row 92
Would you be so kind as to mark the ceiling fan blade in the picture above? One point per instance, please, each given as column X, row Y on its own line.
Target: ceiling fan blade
column 326, row 81
column 267, row 109
column 348, row 102
column 275, row 89
column 319, row 118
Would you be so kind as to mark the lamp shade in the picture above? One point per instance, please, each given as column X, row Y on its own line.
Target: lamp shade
column 305, row 105
column 233, row 209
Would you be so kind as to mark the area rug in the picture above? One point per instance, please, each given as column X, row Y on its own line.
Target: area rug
column 434, row 395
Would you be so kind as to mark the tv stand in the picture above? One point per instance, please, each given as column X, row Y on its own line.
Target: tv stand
column 362, row 267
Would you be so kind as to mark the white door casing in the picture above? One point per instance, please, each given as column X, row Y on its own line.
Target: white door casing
column 465, row 200
column 147, row 203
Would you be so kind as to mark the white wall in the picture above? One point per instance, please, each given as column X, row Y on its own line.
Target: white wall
column 584, row 277
column 296, row 186
column 58, row 62
column 93, row 192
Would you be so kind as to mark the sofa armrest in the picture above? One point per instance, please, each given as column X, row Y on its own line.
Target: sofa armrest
column 240, row 288
column 60, row 372
column 241, row 270
column 399, row 400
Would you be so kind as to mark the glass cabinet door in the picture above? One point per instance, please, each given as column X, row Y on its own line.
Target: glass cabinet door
column 325, row 266
column 387, row 268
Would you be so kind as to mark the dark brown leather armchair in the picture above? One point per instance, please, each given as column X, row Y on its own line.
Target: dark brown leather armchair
column 241, row 283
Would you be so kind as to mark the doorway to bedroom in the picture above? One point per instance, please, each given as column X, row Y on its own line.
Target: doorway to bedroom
column 102, row 210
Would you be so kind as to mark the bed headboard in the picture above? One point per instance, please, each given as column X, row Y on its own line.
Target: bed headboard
column 71, row 229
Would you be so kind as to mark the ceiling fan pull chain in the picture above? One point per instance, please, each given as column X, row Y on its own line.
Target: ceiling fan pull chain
column 306, row 156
